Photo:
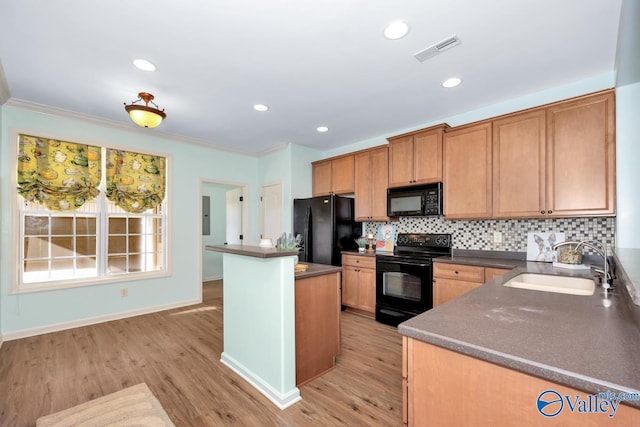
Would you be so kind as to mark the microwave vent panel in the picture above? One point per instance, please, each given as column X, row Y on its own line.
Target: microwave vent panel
column 437, row 48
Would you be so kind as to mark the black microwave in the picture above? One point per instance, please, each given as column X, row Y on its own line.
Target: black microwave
column 423, row 200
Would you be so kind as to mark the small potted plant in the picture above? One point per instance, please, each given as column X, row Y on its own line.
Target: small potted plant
column 290, row 243
column 362, row 243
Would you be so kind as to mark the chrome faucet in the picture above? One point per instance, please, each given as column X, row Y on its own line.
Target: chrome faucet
column 601, row 250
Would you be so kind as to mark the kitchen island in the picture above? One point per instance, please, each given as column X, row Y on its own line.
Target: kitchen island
column 486, row 357
column 280, row 329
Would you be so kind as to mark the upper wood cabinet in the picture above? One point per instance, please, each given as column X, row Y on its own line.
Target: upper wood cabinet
column 416, row 158
column 519, row 165
column 467, row 172
column 581, row 156
column 557, row 161
column 333, row 176
column 371, row 171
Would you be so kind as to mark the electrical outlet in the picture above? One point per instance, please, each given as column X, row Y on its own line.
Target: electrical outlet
column 124, row 292
column 497, row 237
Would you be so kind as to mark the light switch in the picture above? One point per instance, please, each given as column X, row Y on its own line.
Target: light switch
column 497, row 237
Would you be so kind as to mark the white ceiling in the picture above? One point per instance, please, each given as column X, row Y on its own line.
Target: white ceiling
column 313, row 62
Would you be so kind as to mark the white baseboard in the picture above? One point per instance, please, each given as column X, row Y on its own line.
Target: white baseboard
column 282, row 401
column 24, row 333
column 207, row 279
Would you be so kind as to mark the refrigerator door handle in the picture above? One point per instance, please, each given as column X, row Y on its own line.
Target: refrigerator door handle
column 307, row 224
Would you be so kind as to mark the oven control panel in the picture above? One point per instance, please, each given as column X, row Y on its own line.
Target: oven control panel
column 424, row 240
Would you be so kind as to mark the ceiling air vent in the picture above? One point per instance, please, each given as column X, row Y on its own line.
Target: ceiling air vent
column 437, row 48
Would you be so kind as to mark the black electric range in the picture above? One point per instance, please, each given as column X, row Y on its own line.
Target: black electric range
column 404, row 279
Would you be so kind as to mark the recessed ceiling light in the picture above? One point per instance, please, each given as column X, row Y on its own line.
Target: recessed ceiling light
column 452, row 82
column 260, row 107
column 396, row 30
column 322, row 129
column 144, row 65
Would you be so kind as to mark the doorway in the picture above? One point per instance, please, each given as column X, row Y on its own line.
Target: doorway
column 271, row 211
column 228, row 217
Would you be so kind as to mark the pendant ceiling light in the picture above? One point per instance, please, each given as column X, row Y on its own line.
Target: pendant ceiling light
column 144, row 115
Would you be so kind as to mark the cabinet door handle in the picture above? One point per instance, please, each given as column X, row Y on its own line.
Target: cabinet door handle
column 542, row 212
column 549, row 212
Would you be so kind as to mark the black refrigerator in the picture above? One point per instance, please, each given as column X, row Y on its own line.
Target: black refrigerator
column 327, row 227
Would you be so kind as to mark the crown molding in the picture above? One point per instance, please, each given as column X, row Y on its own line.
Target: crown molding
column 59, row 112
column 275, row 148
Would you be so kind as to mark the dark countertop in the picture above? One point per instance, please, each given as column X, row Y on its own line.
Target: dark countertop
column 317, row 270
column 250, row 250
column 591, row 343
column 628, row 262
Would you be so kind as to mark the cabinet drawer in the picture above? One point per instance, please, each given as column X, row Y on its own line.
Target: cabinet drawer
column 468, row 273
column 359, row 261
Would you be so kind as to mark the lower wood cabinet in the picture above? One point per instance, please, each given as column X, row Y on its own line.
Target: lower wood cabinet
column 453, row 280
column 359, row 283
column 446, row 388
column 317, row 325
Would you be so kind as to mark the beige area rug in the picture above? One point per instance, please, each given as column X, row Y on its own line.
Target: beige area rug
column 133, row 406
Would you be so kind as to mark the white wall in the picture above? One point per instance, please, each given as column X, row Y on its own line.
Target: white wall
column 628, row 126
column 35, row 312
column 274, row 168
column 628, row 159
column 301, row 158
column 2, row 202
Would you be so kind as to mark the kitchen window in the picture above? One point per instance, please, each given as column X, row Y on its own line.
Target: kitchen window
column 79, row 225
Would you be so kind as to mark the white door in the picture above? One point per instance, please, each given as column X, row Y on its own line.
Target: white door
column 234, row 216
column 271, row 211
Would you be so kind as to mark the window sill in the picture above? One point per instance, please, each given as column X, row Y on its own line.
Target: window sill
column 70, row 284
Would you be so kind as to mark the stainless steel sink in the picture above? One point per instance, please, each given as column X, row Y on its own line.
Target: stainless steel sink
column 552, row 283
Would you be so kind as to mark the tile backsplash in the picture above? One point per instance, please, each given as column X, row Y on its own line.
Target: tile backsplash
column 479, row 234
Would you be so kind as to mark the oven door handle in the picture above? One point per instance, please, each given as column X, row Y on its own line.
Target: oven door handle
column 405, row 263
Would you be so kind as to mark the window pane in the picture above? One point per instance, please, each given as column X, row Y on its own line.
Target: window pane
column 62, row 246
column 117, row 244
column 86, row 226
column 62, row 268
column 86, row 263
column 36, row 247
column 86, row 245
column 62, row 225
column 117, row 264
column 136, row 244
column 117, row 225
column 30, row 266
column 136, row 225
column 136, row 263
column 36, row 225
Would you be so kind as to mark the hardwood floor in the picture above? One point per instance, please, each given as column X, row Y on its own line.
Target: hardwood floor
column 177, row 352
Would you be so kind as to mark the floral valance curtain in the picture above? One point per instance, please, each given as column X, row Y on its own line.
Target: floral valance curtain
column 135, row 182
column 59, row 174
